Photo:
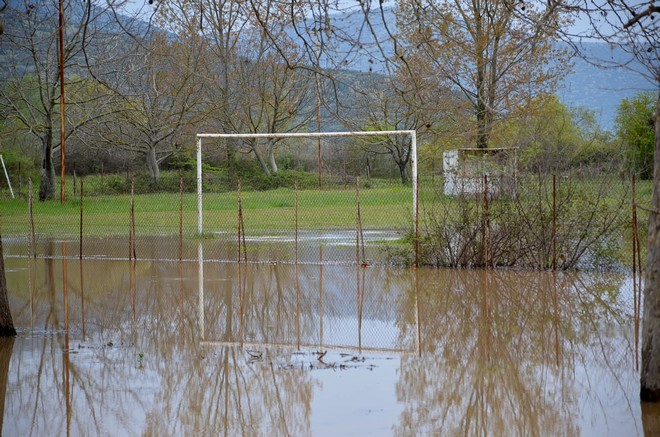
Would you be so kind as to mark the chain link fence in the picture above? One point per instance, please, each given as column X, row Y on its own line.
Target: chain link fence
column 590, row 219
column 585, row 219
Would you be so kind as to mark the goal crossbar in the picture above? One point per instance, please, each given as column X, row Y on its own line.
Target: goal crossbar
column 413, row 155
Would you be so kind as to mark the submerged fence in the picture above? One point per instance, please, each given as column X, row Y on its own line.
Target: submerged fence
column 587, row 220
column 582, row 220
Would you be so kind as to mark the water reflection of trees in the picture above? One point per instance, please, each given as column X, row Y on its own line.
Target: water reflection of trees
column 333, row 307
column 140, row 365
column 500, row 350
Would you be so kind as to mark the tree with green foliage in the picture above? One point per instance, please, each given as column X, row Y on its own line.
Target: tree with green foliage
column 553, row 137
column 634, row 127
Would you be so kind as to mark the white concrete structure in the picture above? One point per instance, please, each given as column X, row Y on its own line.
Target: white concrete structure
column 464, row 171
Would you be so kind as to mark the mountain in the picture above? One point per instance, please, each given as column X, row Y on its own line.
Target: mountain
column 602, row 89
column 359, row 47
column 588, row 85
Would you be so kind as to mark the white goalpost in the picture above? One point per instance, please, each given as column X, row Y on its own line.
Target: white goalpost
column 7, row 176
column 200, row 137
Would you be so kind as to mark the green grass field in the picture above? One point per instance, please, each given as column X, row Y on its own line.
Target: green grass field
column 387, row 205
column 262, row 210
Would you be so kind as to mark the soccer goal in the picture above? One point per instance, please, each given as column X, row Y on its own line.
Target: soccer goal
column 362, row 200
column 201, row 137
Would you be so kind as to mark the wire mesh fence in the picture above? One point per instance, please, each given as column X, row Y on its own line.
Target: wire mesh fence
column 308, row 307
column 588, row 219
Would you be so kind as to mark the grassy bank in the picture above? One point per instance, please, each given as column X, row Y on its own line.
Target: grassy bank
column 389, row 207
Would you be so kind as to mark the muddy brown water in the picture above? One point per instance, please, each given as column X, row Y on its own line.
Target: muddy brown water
column 112, row 347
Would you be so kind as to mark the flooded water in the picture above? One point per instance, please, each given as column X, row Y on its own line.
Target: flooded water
column 112, row 347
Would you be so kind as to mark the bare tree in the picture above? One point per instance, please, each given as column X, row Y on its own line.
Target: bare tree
column 30, row 94
column 248, row 86
column 496, row 61
column 158, row 96
column 273, row 98
column 389, row 108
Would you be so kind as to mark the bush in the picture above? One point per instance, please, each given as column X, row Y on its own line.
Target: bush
column 634, row 126
column 18, row 165
column 590, row 221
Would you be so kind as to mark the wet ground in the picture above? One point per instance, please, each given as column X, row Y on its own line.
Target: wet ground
column 112, row 347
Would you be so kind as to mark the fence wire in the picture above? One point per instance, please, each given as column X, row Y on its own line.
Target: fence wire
column 589, row 220
column 585, row 220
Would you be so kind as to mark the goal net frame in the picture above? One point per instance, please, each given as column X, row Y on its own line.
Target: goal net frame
column 413, row 155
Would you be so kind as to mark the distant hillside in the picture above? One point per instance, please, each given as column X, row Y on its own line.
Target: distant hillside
column 602, row 89
column 594, row 88
column 589, row 86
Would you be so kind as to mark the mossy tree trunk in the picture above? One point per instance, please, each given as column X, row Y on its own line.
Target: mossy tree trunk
column 650, row 371
column 6, row 322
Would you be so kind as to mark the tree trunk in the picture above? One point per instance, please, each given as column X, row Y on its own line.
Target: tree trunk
column 6, row 322
column 6, row 348
column 260, row 158
column 47, row 184
column 152, row 164
column 403, row 171
column 651, row 418
column 650, row 371
column 481, row 108
column 271, row 157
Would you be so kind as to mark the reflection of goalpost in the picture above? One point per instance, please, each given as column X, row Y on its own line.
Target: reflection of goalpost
column 413, row 156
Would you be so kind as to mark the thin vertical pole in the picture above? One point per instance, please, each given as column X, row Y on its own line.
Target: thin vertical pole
column 11, row 190
column 199, row 186
column 295, row 219
column 417, row 317
column 241, row 226
column 359, row 307
column 357, row 222
column 636, row 261
column 200, row 290
column 486, row 227
column 555, row 317
column 297, row 284
column 180, row 218
column 62, row 106
column 359, row 236
column 82, row 187
column 295, row 224
column 554, row 222
column 131, row 241
column 417, row 225
column 413, row 163
column 133, row 285
column 65, row 286
column 82, row 297
column 80, row 256
column 321, row 293
column 240, row 219
column 67, row 382
column 33, row 239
